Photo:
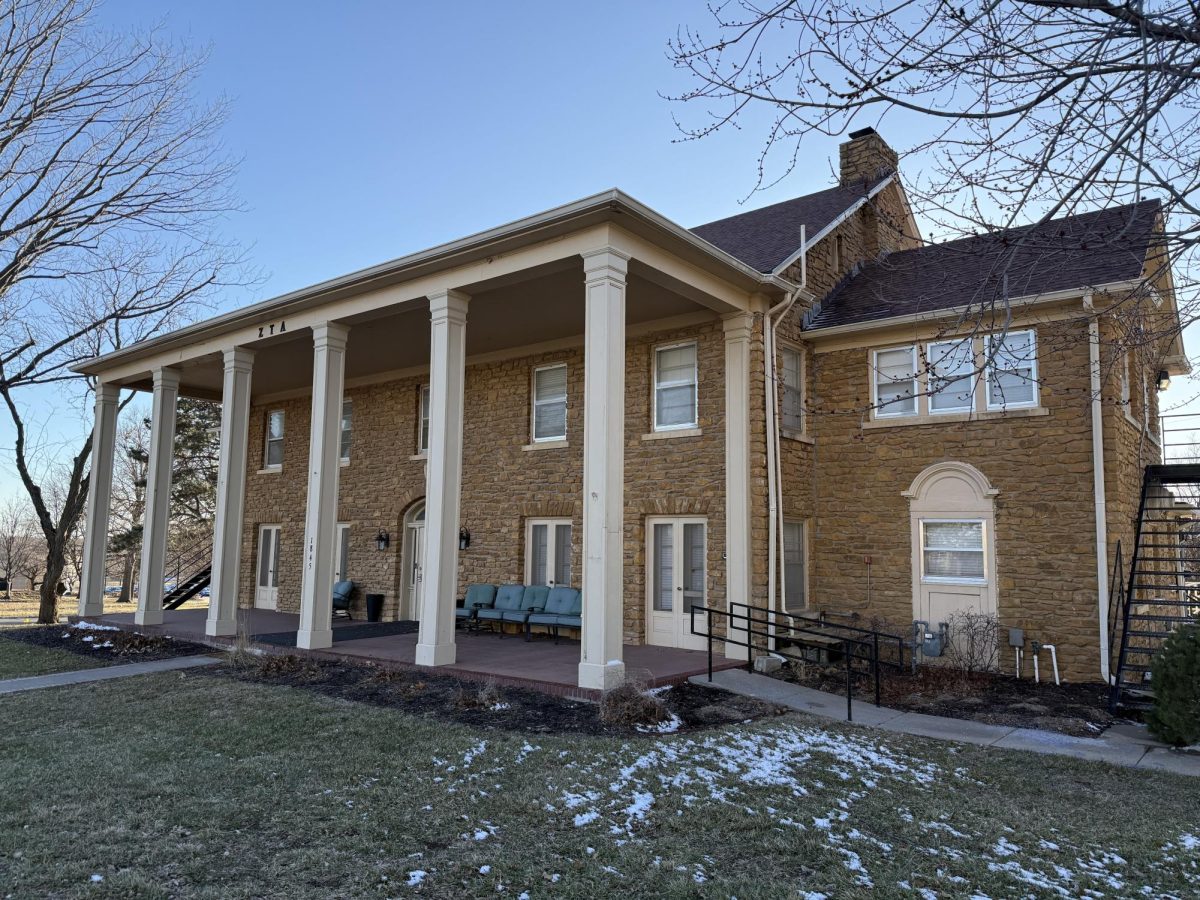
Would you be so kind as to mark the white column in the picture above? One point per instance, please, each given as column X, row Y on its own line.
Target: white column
column 104, row 442
column 601, row 666
column 443, row 476
column 738, row 330
column 158, row 497
column 231, row 493
column 320, row 514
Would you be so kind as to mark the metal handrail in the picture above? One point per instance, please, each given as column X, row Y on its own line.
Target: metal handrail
column 865, row 649
column 823, row 622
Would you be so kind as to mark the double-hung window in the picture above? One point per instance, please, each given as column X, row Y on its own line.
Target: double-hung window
column 1012, row 370
column 273, row 449
column 952, row 550
column 951, row 376
column 550, row 403
column 792, row 374
column 347, row 426
column 793, row 566
column 896, row 382
column 675, row 387
column 423, row 420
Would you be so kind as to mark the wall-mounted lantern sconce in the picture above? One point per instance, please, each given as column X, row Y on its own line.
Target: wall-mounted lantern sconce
column 464, row 538
column 1164, row 380
column 382, row 540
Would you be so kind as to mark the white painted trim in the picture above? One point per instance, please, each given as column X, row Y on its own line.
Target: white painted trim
column 551, row 523
column 533, row 403
column 95, row 548
column 1099, row 489
column 739, row 584
column 158, row 497
column 683, row 426
column 1033, row 371
column 876, row 409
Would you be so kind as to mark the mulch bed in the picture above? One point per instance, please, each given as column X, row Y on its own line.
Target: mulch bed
column 113, row 647
column 480, row 705
column 1075, row 709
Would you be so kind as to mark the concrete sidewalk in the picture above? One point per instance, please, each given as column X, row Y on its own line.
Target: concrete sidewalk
column 83, row 676
column 1122, row 744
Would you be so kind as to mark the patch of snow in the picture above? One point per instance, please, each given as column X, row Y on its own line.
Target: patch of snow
column 500, row 707
column 483, row 870
column 586, row 818
column 415, row 877
column 668, row 726
column 97, row 878
column 89, row 626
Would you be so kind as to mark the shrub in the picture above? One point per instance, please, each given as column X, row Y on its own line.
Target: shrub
column 974, row 643
column 629, row 705
column 1175, row 677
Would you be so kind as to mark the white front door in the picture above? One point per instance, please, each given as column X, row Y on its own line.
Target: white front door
column 266, row 591
column 414, row 561
column 954, row 569
column 548, row 552
column 676, row 581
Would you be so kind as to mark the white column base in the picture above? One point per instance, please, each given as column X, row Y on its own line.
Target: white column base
column 91, row 606
column 220, row 627
column 436, row 654
column 317, row 639
column 602, row 677
column 148, row 616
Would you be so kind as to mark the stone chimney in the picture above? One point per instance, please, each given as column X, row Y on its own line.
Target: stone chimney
column 865, row 157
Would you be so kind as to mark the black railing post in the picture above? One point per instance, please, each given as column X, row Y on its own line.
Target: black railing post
column 875, row 666
column 708, row 615
column 849, row 682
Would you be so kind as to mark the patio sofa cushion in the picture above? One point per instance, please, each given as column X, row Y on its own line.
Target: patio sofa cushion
column 533, row 600
column 478, row 597
column 508, row 599
column 342, row 592
column 564, row 607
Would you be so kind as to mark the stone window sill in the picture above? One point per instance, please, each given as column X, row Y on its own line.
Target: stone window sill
column 547, row 445
column 673, row 433
column 989, row 416
column 270, row 470
column 419, row 457
column 343, row 463
column 793, row 435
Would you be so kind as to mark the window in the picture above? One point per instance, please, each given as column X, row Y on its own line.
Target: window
column 423, row 426
column 793, row 567
column 1012, row 370
column 793, row 389
column 548, row 552
column 341, row 563
column 347, row 424
column 273, row 452
column 1145, row 399
column 951, row 376
column 837, row 254
column 896, row 382
column 952, row 550
column 550, row 403
column 675, row 387
column 1126, row 394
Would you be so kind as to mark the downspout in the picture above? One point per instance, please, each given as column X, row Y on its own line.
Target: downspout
column 1098, row 486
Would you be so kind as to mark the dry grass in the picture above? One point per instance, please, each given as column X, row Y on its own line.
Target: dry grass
column 24, row 606
column 630, row 705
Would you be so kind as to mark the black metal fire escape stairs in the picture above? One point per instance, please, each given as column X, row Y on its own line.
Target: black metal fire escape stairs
column 198, row 569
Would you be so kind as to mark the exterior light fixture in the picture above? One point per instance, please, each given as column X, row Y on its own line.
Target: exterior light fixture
column 1164, row 380
column 464, row 538
column 382, row 540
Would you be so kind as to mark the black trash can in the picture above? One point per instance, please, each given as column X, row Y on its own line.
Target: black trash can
column 374, row 607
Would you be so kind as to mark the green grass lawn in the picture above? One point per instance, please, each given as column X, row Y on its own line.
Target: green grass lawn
column 19, row 660
column 188, row 785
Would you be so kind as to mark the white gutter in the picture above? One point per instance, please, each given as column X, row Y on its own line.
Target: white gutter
column 1098, row 486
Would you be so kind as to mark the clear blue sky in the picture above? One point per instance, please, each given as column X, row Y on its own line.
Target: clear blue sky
column 368, row 130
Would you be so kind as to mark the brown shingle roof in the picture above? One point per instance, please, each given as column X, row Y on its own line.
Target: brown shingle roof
column 1072, row 252
column 765, row 238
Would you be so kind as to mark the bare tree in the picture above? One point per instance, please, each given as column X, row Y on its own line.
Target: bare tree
column 16, row 525
column 111, row 185
column 1030, row 110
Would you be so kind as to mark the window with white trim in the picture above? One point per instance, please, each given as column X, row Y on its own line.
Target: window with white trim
column 896, row 382
column 347, row 426
column 341, row 568
column 273, row 444
column 423, row 419
column 550, row 403
column 951, row 376
column 791, row 373
column 793, row 566
column 675, row 387
column 1126, row 393
column 1011, row 370
column 952, row 550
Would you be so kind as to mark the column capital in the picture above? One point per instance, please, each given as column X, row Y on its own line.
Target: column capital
column 107, row 392
column 238, row 359
column 605, row 262
column 165, row 377
column 448, row 305
column 330, row 335
column 739, row 326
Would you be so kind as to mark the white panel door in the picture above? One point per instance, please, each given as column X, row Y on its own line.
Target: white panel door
column 266, row 590
column 676, row 581
column 548, row 552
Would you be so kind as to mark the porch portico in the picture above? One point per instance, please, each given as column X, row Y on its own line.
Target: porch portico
column 568, row 281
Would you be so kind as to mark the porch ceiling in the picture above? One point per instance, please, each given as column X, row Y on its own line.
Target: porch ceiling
column 503, row 316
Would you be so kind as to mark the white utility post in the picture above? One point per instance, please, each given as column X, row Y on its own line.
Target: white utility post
column 104, row 444
column 231, row 493
column 601, row 665
column 443, row 478
column 158, row 497
column 320, row 512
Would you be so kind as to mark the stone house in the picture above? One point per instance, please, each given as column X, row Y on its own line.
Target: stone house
column 801, row 408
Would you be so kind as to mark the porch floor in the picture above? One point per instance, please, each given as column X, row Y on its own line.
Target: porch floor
column 540, row 664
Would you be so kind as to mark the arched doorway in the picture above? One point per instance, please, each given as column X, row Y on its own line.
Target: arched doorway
column 952, row 513
column 413, row 560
